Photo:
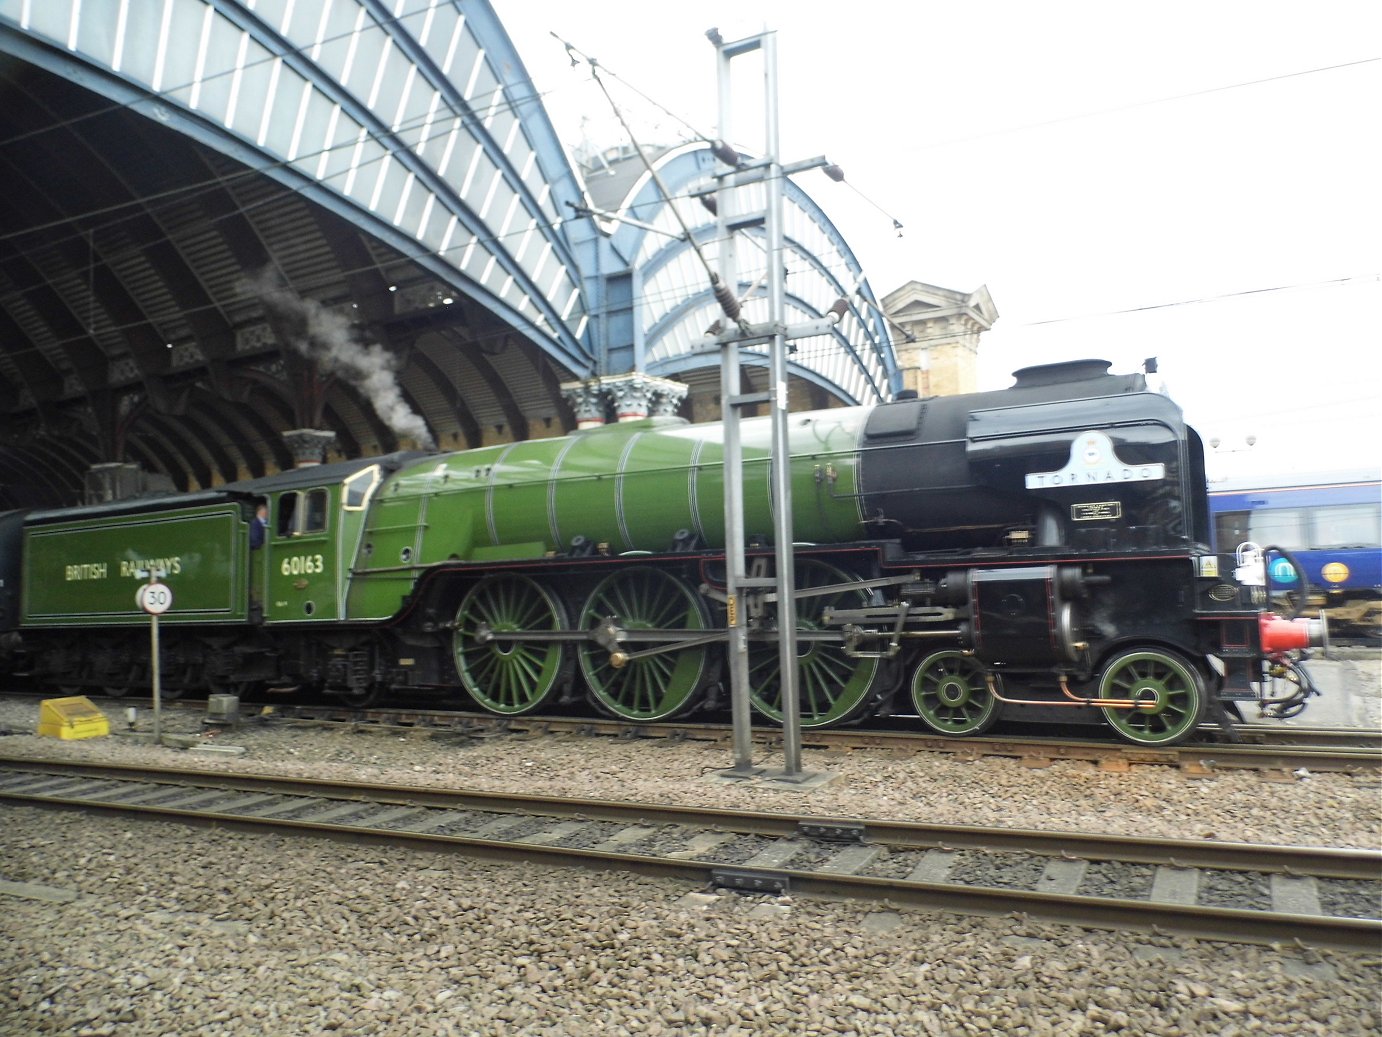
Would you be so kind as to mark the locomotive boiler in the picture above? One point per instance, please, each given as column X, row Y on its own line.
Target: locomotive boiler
column 1034, row 551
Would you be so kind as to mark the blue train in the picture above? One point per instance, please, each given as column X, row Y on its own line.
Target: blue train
column 1330, row 524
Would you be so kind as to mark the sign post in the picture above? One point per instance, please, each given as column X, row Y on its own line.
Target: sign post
column 155, row 598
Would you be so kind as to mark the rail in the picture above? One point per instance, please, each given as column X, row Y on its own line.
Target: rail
column 1322, row 897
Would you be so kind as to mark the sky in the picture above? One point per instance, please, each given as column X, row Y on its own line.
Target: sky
column 1198, row 182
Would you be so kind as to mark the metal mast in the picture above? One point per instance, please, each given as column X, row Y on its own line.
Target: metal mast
column 768, row 171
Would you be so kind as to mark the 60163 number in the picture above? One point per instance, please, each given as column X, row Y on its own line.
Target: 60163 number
column 302, row 565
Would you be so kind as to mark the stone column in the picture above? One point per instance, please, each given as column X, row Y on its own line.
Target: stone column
column 944, row 359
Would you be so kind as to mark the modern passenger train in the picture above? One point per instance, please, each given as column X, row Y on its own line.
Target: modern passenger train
column 1330, row 523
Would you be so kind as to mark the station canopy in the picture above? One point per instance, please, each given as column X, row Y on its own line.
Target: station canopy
column 222, row 223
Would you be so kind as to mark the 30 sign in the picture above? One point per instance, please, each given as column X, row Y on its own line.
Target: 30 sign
column 154, row 598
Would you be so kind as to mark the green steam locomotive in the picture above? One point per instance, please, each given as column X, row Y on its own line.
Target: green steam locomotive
column 1032, row 552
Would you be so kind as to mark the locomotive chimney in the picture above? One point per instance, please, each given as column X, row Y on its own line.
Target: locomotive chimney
column 308, row 445
column 1061, row 373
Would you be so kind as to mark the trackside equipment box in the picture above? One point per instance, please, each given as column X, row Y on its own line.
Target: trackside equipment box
column 69, row 718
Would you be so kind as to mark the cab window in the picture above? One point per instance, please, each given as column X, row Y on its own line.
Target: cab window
column 301, row 512
column 286, row 514
column 314, row 519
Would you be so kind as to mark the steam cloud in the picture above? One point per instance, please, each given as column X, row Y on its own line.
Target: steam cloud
column 330, row 341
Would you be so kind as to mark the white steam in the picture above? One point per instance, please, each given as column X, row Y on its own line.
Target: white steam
column 331, row 342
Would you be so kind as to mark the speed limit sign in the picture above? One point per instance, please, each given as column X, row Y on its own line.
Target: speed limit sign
column 154, row 598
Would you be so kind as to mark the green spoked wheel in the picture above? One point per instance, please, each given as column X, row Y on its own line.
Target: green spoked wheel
column 1169, row 691
column 832, row 687
column 509, row 675
column 951, row 695
column 637, row 611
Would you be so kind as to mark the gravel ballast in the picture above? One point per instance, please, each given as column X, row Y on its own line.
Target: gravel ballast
column 190, row 931
column 1324, row 809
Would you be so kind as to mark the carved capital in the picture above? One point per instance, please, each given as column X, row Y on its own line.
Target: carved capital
column 630, row 396
column 587, row 399
column 308, row 445
column 639, row 395
column 667, row 397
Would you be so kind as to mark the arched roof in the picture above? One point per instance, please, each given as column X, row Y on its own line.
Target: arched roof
column 189, row 185
column 672, row 298
column 207, row 206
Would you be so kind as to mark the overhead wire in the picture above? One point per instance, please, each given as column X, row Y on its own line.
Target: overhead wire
column 672, row 295
column 1132, row 105
column 223, row 182
column 244, row 208
column 1200, row 300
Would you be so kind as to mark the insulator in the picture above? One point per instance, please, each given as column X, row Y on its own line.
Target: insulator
column 708, row 200
column 725, row 153
column 834, row 172
column 728, row 303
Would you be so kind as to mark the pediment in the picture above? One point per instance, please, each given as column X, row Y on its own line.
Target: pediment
column 916, row 300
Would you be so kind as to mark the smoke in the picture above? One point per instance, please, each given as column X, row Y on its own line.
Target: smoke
column 331, row 342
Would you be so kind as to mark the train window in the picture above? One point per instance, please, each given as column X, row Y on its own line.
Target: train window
column 360, row 487
column 314, row 520
column 299, row 513
column 1346, row 525
column 286, row 514
column 1231, row 529
column 1279, row 527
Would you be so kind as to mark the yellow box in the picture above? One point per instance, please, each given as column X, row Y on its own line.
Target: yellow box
column 75, row 717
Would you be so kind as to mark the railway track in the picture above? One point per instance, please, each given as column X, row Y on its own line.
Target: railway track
column 1273, row 751
column 1277, row 752
column 1231, row 891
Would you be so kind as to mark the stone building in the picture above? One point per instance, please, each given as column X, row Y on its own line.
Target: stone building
column 936, row 336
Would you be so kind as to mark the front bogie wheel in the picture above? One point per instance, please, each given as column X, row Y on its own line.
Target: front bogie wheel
column 1167, row 692
column 951, row 694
